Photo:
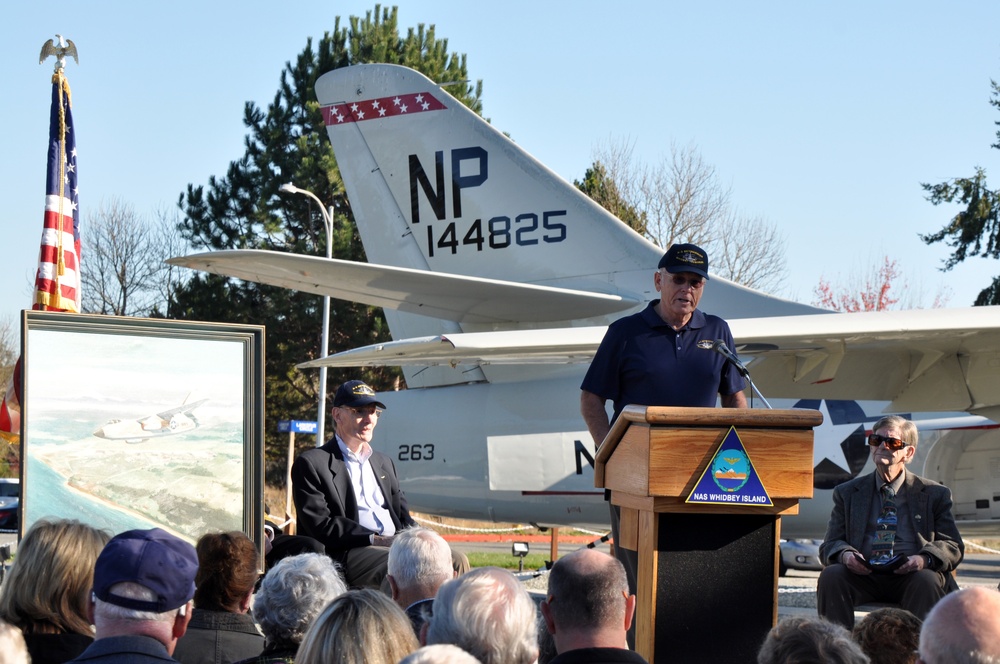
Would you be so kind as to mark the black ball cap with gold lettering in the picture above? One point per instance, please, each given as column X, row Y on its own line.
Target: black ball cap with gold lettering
column 355, row 394
column 685, row 258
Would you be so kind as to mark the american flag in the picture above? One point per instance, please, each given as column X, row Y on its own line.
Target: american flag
column 57, row 282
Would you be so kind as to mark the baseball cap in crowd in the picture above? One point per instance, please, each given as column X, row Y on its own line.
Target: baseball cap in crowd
column 685, row 258
column 354, row 394
column 152, row 558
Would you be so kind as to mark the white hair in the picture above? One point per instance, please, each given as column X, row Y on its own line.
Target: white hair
column 293, row 593
column 419, row 557
column 441, row 653
column 488, row 613
column 131, row 590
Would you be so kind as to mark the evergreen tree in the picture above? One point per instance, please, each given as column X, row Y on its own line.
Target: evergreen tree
column 287, row 142
column 974, row 231
column 604, row 190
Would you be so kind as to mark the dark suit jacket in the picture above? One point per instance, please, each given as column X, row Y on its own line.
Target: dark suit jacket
column 325, row 501
column 930, row 510
column 418, row 612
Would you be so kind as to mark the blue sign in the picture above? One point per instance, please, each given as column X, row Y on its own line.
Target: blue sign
column 730, row 478
column 297, row 426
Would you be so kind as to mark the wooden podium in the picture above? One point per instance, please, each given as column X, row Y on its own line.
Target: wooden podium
column 707, row 573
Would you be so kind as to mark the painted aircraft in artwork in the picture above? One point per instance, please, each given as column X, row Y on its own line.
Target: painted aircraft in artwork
column 498, row 279
column 167, row 423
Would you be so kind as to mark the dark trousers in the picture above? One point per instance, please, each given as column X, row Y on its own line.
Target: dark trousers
column 840, row 590
column 365, row 566
column 629, row 560
column 284, row 546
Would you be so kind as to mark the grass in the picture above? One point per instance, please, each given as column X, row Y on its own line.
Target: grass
column 506, row 561
column 988, row 543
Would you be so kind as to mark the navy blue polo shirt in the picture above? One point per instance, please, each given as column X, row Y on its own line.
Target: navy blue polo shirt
column 644, row 361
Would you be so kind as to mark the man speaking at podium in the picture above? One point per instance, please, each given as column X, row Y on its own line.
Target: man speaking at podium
column 662, row 356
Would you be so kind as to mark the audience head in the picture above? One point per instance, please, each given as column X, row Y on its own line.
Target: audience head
column 47, row 590
column 963, row 627
column 441, row 653
column 419, row 562
column 487, row 613
column 361, row 627
column 13, row 650
column 293, row 593
column 588, row 603
column 799, row 640
column 882, row 627
column 227, row 572
column 143, row 584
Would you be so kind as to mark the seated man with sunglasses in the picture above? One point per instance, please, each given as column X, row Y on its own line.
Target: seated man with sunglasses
column 347, row 495
column 662, row 356
column 892, row 537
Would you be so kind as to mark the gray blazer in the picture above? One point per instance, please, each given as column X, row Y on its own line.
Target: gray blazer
column 930, row 509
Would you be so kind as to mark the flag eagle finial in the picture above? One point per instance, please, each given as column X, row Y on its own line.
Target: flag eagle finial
column 61, row 50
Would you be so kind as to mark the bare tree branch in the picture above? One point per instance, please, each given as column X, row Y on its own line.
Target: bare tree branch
column 681, row 199
column 122, row 264
column 171, row 243
column 750, row 251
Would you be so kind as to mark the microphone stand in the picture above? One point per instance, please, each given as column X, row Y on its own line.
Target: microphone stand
column 753, row 388
column 720, row 347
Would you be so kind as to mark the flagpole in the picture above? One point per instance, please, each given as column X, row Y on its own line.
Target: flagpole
column 57, row 281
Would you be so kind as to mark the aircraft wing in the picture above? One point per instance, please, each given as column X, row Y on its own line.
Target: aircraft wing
column 921, row 360
column 444, row 296
column 183, row 408
column 549, row 346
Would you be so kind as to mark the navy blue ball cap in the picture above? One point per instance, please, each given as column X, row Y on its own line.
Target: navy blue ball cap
column 154, row 559
column 685, row 258
column 355, row 394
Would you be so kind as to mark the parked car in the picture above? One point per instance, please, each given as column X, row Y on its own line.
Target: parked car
column 10, row 503
column 802, row 554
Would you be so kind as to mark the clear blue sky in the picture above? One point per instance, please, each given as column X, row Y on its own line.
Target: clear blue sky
column 822, row 117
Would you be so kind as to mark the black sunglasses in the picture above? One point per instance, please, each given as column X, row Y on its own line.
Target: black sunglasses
column 892, row 444
column 682, row 281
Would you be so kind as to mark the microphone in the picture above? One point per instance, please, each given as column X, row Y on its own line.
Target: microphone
column 720, row 347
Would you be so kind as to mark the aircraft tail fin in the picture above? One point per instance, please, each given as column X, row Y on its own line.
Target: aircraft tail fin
column 434, row 187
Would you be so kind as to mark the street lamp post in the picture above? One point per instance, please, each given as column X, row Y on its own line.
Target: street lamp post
column 289, row 188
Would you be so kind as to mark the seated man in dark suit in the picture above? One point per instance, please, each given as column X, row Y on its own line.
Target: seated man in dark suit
column 347, row 495
column 881, row 515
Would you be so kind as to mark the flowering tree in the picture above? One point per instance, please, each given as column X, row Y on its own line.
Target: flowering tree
column 863, row 292
column 881, row 288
